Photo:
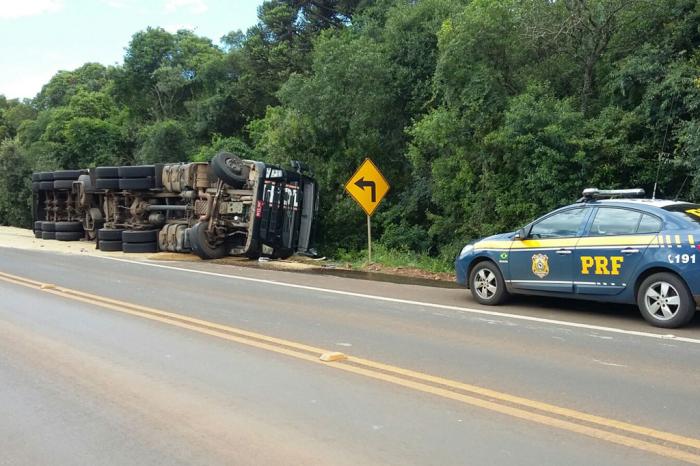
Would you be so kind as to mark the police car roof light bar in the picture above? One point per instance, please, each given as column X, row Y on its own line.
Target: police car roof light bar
column 594, row 193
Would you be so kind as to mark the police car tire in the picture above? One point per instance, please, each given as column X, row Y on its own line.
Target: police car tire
column 686, row 309
column 501, row 294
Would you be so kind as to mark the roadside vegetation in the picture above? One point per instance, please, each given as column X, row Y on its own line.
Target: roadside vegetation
column 482, row 114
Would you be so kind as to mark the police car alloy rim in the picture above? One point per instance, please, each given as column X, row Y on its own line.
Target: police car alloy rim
column 662, row 300
column 485, row 283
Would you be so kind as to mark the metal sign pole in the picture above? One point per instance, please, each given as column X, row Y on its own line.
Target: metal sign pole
column 369, row 238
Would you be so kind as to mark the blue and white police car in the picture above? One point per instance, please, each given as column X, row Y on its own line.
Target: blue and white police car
column 610, row 246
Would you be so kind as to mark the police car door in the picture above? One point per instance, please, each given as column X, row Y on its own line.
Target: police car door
column 544, row 260
column 608, row 256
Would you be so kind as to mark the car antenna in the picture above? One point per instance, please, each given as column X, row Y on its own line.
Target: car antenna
column 681, row 188
column 658, row 171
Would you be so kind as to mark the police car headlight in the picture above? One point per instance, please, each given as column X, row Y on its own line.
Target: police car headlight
column 466, row 250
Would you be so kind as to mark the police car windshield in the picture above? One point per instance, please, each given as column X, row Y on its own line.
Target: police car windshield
column 685, row 210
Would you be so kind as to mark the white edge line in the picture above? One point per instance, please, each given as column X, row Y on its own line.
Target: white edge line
column 417, row 303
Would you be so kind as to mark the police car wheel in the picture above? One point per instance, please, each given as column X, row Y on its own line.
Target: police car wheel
column 487, row 285
column 665, row 301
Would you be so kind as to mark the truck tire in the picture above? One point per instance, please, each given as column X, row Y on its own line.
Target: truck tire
column 230, row 169
column 201, row 245
column 36, row 185
column 139, row 247
column 107, row 172
column 63, row 184
column 35, row 176
column 107, row 183
column 69, row 235
column 136, row 183
column 48, row 226
column 48, row 235
column 138, row 171
column 109, row 246
column 136, row 236
column 110, row 234
column 37, row 226
column 46, row 185
column 38, row 234
column 71, row 175
column 69, row 227
column 45, row 176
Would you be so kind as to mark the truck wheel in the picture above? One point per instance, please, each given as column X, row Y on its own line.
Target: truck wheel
column 45, row 176
column 201, row 245
column 136, row 236
column 138, row 171
column 230, row 169
column 69, row 226
column 37, row 226
column 136, row 183
column 48, row 226
column 36, row 186
column 139, row 247
column 109, row 246
column 487, row 284
column 36, row 177
column 71, row 175
column 69, row 235
column 665, row 301
column 107, row 183
column 37, row 234
column 110, row 234
column 48, row 235
column 46, row 186
column 107, row 172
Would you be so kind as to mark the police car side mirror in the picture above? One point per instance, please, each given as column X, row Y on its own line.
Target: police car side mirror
column 520, row 234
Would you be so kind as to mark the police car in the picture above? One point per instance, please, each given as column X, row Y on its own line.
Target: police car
column 610, row 246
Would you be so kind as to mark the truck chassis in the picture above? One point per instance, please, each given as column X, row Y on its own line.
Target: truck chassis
column 228, row 206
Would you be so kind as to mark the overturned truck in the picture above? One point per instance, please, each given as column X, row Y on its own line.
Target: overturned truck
column 225, row 207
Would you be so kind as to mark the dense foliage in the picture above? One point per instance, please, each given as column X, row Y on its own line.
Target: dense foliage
column 482, row 113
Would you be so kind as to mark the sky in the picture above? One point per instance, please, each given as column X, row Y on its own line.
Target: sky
column 40, row 37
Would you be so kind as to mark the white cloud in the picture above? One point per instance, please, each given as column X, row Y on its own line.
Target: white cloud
column 192, row 6
column 12, row 9
column 173, row 28
column 117, row 3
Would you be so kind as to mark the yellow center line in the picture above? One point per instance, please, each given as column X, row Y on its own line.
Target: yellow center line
column 398, row 376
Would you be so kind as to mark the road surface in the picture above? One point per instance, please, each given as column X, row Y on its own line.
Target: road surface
column 109, row 361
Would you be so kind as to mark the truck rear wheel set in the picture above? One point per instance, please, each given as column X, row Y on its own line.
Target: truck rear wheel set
column 228, row 206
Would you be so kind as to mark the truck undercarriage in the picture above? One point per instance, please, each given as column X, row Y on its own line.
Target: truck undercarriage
column 225, row 207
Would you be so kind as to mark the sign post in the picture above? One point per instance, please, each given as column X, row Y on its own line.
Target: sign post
column 368, row 187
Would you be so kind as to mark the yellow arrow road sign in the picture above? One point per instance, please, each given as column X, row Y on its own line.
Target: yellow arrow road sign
column 367, row 186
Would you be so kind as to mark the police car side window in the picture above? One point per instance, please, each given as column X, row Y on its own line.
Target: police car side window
column 611, row 222
column 560, row 225
column 649, row 224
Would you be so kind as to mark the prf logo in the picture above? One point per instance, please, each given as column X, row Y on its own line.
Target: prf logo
column 602, row 265
column 540, row 265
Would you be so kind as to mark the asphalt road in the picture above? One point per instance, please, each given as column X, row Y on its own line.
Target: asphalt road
column 117, row 362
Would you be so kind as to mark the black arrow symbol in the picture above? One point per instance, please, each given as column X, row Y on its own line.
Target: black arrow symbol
column 362, row 184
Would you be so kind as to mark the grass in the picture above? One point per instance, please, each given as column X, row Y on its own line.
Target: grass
column 395, row 258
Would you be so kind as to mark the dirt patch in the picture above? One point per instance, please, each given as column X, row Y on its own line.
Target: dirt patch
column 20, row 238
